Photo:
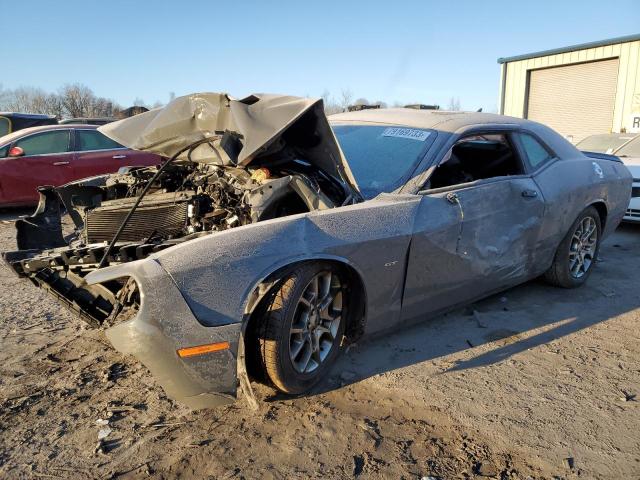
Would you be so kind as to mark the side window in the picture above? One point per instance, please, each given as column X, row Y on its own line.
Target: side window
column 94, row 140
column 536, row 153
column 55, row 141
column 476, row 157
column 5, row 126
column 3, row 151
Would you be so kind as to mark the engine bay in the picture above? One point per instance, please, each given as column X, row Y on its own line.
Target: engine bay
column 195, row 198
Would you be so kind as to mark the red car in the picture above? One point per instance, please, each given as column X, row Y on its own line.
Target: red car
column 55, row 155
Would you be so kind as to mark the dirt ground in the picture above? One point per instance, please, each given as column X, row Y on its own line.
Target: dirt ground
column 536, row 382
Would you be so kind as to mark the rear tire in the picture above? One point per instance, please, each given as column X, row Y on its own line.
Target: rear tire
column 577, row 253
column 300, row 334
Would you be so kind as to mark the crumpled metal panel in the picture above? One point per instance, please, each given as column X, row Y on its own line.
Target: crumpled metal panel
column 262, row 121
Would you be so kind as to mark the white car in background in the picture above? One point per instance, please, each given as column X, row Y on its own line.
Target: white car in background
column 626, row 146
column 629, row 153
column 605, row 142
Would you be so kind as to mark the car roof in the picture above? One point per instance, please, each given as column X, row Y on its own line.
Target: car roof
column 32, row 116
column 430, row 119
column 42, row 128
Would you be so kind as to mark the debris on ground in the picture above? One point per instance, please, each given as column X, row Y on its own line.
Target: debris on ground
column 420, row 404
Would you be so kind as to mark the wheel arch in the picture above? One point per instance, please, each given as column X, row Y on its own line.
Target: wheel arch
column 601, row 207
column 357, row 308
column 258, row 297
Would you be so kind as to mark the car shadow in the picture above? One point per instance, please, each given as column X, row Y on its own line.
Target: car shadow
column 9, row 215
column 524, row 317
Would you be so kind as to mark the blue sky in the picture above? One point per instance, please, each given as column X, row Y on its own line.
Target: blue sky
column 411, row 51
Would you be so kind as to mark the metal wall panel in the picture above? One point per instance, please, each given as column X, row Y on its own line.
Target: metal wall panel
column 513, row 95
column 575, row 100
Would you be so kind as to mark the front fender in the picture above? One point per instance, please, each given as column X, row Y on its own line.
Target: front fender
column 163, row 325
column 218, row 273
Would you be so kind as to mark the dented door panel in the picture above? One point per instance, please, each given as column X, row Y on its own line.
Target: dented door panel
column 472, row 241
column 500, row 230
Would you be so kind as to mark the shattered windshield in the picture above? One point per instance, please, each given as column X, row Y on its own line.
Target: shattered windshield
column 381, row 157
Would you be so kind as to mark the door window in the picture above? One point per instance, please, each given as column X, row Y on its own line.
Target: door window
column 476, row 157
column 537, row 154
column 94, row 140
column 55, row 141
column 5, row 126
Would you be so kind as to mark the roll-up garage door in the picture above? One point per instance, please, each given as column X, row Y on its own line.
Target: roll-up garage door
column 575, row 100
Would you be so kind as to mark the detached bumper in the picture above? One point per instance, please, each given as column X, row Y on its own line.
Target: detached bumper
column 165, row 324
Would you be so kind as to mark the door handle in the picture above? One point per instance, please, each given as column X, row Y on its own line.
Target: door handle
column 57, row 164
column 529, row 193
column 118, row 157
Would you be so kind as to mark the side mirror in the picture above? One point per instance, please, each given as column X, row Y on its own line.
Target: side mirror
column 16, row 152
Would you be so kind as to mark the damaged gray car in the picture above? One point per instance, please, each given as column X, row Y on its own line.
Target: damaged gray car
column 273, row 235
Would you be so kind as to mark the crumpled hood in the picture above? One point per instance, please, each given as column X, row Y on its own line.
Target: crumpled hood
column 265, row 123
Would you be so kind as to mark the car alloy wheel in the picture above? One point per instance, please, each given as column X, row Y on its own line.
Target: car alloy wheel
column 316, row 322
column 583, row 245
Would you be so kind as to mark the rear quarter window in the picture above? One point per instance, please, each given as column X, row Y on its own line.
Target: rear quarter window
column 537, row 154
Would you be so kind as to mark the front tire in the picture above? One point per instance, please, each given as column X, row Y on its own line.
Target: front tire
column 578, row 251
column 301, row 332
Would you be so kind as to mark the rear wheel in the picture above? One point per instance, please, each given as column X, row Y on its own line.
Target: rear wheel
column 578, row 251
column 302, row 329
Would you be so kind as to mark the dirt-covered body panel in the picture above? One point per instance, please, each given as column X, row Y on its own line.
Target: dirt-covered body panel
column 211, row 239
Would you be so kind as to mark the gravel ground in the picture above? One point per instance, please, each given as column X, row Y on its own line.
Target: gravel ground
column 534, row 383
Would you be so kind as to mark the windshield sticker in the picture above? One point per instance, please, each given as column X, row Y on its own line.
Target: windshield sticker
column 411, row 133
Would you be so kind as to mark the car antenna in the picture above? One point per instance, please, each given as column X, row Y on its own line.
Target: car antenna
column 146, row 188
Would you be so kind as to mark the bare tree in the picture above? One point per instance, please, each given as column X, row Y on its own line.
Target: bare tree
column 138, row 102
column 74, row 100
column 361, row 101
column 77, row 100
column 454, row 104
column 330, row 105
column 20, row 99
column 30, row 100
column 346, row 95
column 381, row 103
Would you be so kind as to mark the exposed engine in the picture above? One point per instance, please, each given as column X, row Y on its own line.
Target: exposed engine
column 195, row 197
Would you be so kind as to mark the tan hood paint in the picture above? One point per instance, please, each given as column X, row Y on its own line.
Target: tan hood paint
column 261, row 119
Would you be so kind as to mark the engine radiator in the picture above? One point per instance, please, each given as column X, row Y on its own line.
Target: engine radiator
column 165, row 218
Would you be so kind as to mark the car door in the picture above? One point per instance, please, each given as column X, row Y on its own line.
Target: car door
column 472, row 239
column 46, row 160
column 97, row 154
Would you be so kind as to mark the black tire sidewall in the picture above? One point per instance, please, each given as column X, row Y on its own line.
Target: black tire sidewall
column 295, row 381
